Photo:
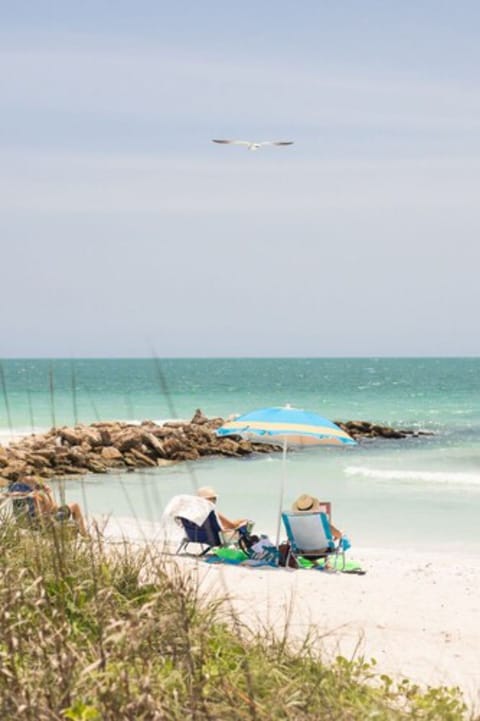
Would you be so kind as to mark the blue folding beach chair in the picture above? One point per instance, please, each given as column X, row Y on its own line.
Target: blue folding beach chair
column 310, row 536
column 23, row 504
column 208, row 535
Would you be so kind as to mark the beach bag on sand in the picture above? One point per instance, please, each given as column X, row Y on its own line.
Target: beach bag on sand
column 263, row 552
column 246, row 540
column 284, row 550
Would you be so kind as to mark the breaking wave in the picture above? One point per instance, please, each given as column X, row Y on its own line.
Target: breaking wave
column 394, row 474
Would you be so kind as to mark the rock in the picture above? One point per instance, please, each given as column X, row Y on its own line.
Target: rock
column 19, row 454
column 65, row 470
column 245, row 447
column 77, row 456
column 107, row 430
column 215, row 423
column 127, row 440
column 102, row 445
column 48, row 454
column 172, row 445
column 390, row 433
column 143, row 458
column 15, row 470
column 228, row 447
column 38, row 460
column 152, row 441
column 361, row 426
column 199, row 418
column 265, row 448
column 110, row 453
column 199, row 432
column 95, row 466
column 207, row 449
column 60, row 457
column 3, row 457
column 187, row 455
column 70, row 436
column 93, row 437
column 106, row 436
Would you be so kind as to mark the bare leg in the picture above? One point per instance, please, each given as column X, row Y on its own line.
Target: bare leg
column 44, row 505
column 78, row 518
column 335, row 532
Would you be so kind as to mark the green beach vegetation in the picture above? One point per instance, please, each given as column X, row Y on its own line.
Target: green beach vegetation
column 98, row 632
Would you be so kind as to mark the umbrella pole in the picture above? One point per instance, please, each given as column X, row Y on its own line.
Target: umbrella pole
column 282, row 489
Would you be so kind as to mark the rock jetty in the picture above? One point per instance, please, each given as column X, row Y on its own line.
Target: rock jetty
column 104, row 446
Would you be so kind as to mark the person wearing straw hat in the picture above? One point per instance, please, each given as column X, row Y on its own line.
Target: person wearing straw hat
column 211, row 495
column 309, row 504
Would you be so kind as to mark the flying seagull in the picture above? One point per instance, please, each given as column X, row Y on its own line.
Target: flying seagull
column 251, row 145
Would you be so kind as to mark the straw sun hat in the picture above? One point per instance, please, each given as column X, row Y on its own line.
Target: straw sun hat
column 207, row 492
column 306, row 503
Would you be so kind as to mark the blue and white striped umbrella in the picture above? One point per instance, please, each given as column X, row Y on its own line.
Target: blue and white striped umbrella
column 286, row 426
column 293, row 425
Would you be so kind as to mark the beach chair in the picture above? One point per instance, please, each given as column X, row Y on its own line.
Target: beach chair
column 22, row 504
column 24, row 511
column 309, row 536
column 326, row 507
column 208, row 535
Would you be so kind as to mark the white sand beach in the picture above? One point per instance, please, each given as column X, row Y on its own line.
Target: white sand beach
column 417, row 614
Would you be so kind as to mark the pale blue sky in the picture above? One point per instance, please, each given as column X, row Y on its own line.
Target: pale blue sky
column 125, row 231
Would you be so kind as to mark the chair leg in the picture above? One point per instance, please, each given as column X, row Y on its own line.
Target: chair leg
column 339, row 554
column 290, row 555
column 205, row 550
column 183, row 545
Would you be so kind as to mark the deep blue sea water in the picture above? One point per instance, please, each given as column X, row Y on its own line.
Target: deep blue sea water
column 385, row 493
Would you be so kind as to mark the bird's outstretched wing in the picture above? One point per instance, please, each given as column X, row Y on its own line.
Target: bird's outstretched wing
column 232, row 142
column 277, row 142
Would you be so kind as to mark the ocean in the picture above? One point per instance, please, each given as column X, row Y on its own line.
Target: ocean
column 413, row 493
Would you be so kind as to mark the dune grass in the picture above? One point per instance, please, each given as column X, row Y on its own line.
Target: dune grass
column 95, row 633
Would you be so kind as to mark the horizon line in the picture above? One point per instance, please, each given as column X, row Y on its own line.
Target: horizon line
column 246, row 357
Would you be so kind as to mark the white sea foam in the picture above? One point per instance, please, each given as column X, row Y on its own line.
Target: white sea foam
column 10, row 435
column 414, row 476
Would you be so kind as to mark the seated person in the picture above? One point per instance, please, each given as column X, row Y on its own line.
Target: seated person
column 42, row 504
column 310, row 504
column 226, row 524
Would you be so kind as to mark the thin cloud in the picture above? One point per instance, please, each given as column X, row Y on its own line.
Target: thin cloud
column 169, row 82
column 123, row 183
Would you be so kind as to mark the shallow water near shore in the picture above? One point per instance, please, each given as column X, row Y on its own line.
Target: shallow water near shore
column 404, row 493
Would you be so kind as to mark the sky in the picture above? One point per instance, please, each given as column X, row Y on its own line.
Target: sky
column 125, row 232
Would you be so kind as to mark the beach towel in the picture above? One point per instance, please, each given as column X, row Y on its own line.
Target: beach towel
column 335, row 564
column 262, row 553
column 193, row 508
column 233, row 556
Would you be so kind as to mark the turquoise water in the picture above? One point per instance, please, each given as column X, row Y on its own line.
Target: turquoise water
column 389, row 493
